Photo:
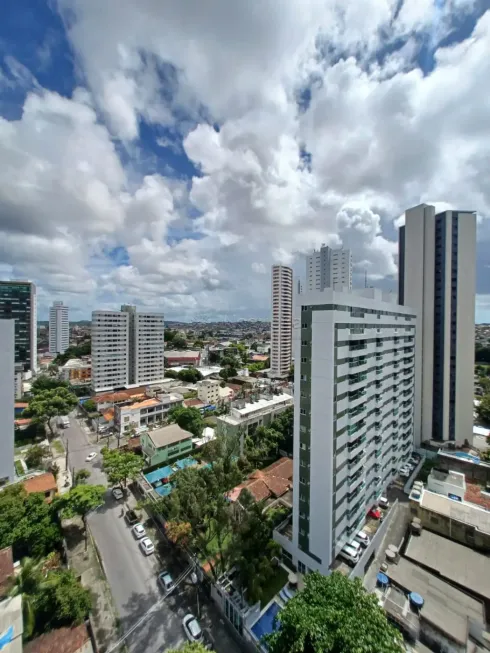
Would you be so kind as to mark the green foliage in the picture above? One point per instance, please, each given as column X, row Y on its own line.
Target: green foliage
column 190, row 647
column 28, row 584
column 171, row 374
column 27, row 523
column 169, row 335
column 90, row 406
column 262, row 445
column 228, row 372
column 482, row 354
column 43, row 383
column 81, row 476
column 258, row 367
column 189, row 419
column 178, row 342
column 48, row 404
column 33, row 433
column 79, row 501
column 121, row 466
column 198, row 344
column 75, row 351
column 189, row 375
column 334, row 614
column 35, row 456
column 483, row 410
column 61, row 601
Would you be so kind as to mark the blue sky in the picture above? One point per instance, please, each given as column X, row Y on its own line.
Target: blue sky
column 164, row 155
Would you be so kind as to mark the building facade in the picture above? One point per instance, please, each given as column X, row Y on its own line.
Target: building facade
column 437, row 254
column 7, row 391
column 326, row 267
column 110, row 350
column 281, row 322
column 208, row 391
column 59, row 328
column 127, row 348
column 354, row 411
column 246, row 415
column 166, row 445
column 18, row 301
column 76, row 371
column 150, row 410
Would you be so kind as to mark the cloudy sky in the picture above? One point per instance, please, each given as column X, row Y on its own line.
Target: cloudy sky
column 167, row 152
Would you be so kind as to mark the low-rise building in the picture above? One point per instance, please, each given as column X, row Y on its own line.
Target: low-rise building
column 110, row 399
column 141, row 413
column 208, row 391
column 449, row 483
column 166, row 444
column 272, row 482
column 248, row 414
column 44, row 484
column 187, row 358
column 76, row 371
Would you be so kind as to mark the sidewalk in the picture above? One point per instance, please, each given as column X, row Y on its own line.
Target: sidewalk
column 64, row 480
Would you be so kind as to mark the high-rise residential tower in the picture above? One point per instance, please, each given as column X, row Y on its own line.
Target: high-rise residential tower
column 437, row 278
column 326, row 267
column 59, row 328
column 127, row 348
column 18, row 301
column 353, row 414
column 281, row 322
column 7, row 392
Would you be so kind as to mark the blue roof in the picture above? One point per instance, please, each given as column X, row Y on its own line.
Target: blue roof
column 158, row 474
column 186, row 462
column 164, row 490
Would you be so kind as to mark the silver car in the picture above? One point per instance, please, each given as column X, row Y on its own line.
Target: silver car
column 192, row 628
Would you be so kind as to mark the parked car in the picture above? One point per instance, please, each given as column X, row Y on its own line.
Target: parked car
column 166, row 581
column 363, row 538
column 383, row 502
column 192, row 628
column 356, row 546
column 139, row 531
column 350, row 554
column 91, row 456
column 147, row 546
column 374, row 513
column 117, row 493
column 404, row 472
column 131, row 517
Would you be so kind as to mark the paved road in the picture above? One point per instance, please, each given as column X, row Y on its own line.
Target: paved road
column 132, row 576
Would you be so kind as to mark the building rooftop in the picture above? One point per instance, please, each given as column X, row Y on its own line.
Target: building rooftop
column 466, row 513
column 42, row 483
column 75, row 363
column 445, row 607
column 455, row 478
column 168, row 435
column 245, row 409
column 123, row 395
column 182, row 354
column 61, row 640
column 145, row 403
column 274, row 480
column 451, row 561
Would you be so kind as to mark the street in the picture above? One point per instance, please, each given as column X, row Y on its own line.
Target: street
column 132, row 576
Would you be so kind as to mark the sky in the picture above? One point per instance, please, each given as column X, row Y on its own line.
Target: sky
column 166, row 153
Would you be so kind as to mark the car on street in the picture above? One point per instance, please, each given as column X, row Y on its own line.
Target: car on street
column 350, row 554
column 117, row 493
column 139, row 531
column 166, row 581
column 147, row 546
column 91, row 456
column 383, row 502
column 192, row 628
column 363, row 538
column 131, row 517
column 374, row 513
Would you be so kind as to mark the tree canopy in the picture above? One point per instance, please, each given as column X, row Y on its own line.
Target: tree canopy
column 75, row 351
column 80, row 500
column 90, row 406
column 189, row 419
column 189, row 375
column 334, row 614
column 61, row 601
column 190, row 647
column 27, row 523
column 483, row 410
column 48, row 404
column 121, row 466
column 43, row 383
column 35, row 455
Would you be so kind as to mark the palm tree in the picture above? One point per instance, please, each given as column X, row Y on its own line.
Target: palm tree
column 27, row 583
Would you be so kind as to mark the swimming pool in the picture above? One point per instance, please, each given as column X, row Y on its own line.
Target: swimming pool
column 265, row 624
column 465, row 456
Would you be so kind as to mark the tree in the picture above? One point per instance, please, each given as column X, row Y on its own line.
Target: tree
column 169, row 335
column 178, row 342
column 75, row 351
column 43, row 383
column 189, row 419
column 121, row 466
column 190, row 375
column 62, row 601
column 48, row 404
column 334, row 614
column 171, row 374
column 81, row 476
column 80, row 500
column 483, row 410
column 27, row 523
column 228, row 373
column 27, row 583
column 90, row 406
column 190, row 647
column 35, row 456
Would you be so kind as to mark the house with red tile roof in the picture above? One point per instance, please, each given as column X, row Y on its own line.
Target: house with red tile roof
column 43, row 483
column 272, row 482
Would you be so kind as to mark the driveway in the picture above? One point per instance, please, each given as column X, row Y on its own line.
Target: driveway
column 132, row 575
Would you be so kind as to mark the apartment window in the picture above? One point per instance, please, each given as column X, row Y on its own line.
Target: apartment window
column 303, row 481
column 301, row 566
column 302, row 411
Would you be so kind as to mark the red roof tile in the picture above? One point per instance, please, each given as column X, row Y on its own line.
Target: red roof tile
column 473, row 495
column 42, row 483
column 61, row 640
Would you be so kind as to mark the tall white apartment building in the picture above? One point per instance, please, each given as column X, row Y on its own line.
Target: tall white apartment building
column 437, row 254
column 7, row 391
column 281, row 321
column 59, row 328
column 353, row 417
column 326, row 267
column 127, row 348
column 110, row 350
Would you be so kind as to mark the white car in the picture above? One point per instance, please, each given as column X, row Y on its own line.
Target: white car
column 91, row 456
column 350, row 554
column 147, row 546
column 383, row 502
column 139, row 531
column 192, row 628
column 363, row 538
column 405, row 473
column 356, row 546
column 117, row 493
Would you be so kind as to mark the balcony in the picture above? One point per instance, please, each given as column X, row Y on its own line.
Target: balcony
column 359, row 362
column 354, row 480
column 356, row 463
column 353, row 495
column 354, row 446
column 355, row 428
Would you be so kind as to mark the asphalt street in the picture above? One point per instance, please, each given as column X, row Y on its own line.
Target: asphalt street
column 132, row 576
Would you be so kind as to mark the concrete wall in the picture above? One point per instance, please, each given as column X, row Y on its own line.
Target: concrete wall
column 360, row 569
column 7, row 399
